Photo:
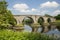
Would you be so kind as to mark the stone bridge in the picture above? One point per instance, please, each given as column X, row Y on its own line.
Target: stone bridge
column 19, row 18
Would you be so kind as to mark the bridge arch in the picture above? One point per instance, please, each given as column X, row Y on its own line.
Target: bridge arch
column 28, row 20
column 40, row 20
column 49, row 20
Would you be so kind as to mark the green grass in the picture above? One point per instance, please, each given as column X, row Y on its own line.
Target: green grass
column 57, row 20
column 11, row 35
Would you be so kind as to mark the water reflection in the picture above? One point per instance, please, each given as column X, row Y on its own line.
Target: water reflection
column 52, row 31
column 27, row 28
column 55, row 31
column 40, row 29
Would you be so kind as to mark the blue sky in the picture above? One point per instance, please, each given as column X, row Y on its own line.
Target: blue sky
column 34, row 7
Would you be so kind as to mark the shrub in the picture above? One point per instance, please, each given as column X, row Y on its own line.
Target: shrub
column 11, row 35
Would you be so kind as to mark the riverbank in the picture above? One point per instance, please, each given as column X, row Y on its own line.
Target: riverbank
column 16, row 35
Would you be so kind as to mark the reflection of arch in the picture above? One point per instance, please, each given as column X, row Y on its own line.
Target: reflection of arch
column 58, row 27
column 49, row 20
column 40, row 20
column 27, row 20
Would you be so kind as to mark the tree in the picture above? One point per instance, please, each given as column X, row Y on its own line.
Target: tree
column 48, row 15
column 6, row 17
column 10, row 18
column 57, row 17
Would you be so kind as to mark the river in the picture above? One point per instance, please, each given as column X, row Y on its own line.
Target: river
column 55, row 31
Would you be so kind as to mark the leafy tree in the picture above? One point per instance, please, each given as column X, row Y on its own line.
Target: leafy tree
column 57, row 17
column 6, row 17
column 48, row 15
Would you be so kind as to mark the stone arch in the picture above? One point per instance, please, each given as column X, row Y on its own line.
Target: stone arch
column 26, row 18
column 49, row 20
column 40, row 20
column 17, row 20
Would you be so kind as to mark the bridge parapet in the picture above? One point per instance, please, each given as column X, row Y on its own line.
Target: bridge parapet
column 19, row 18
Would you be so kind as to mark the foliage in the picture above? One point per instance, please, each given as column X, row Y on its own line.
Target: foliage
column 11, row 35
column 48, row 15
column 6, row 17
column 40, row 20
column 57, row 17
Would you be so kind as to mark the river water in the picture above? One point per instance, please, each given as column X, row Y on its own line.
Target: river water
column 51, row 32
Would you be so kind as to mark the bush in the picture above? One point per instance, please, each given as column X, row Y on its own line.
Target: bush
column 11, row 35
column 57, row 17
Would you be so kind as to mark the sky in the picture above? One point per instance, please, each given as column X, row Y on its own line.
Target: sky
column 34, row 7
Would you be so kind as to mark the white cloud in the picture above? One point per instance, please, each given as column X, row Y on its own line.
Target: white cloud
column 21, row 7
column 33, row 9
column 56, row 12
column 25, row 11
column 50, row 4
column 53, row 13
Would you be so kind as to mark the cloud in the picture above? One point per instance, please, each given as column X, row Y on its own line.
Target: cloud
column 56, row 12
column 33, row 9
column 25, row 11
column 50, row 4
column 53, row 13
column 21, row 7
